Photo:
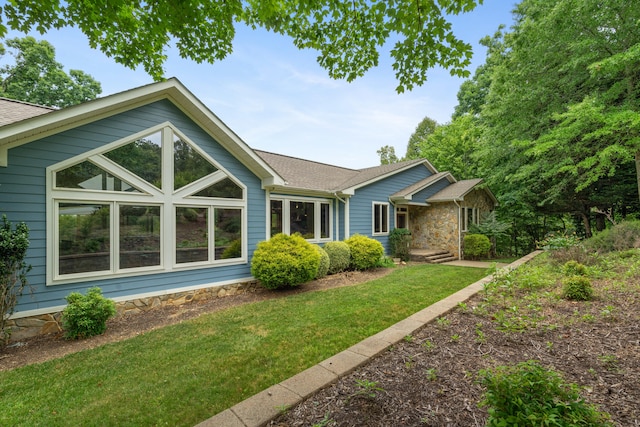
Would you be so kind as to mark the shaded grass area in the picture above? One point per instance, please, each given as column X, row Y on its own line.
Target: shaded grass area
column 185, row 373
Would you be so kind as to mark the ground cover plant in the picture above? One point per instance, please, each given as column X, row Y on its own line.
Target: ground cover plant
column 187, row 372
column 435, row 377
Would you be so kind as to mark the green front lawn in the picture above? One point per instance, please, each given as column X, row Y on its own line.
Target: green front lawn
column 182, row 374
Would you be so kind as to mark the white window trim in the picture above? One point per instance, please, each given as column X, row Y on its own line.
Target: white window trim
column 373, row 219
column 286, row 215
column 167, row 199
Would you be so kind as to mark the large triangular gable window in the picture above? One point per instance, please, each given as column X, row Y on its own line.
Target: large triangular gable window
column 154, row 201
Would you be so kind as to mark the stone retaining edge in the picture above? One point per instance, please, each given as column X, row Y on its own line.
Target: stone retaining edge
column 260, row 409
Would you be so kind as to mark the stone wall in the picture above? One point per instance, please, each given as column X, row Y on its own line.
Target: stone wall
column 27, row 327
column 437, row 226
column 434, row 227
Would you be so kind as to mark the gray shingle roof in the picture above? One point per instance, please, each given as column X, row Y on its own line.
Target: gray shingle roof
column 12, row 111
column 310, row 175
column 455, row 191
column 413, row 188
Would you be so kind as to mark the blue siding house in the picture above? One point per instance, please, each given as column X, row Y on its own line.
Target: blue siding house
column 148, row 195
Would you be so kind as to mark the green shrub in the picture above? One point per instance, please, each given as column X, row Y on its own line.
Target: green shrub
column 530, row 395
column 574, row 268
column 577, row 288
column 13, row 270
column 400, row 243
column 339, row 256
column 620, row 237
column 555, row 241
column 87, row 315
column 285, row 260
column 323, row 267
column 365, row 252
column 476, row 245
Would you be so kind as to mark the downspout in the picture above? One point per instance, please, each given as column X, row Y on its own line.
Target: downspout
column 459, row 231
column 338, row 216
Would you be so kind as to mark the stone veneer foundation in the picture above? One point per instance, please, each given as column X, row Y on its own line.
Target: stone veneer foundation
column 27, row 327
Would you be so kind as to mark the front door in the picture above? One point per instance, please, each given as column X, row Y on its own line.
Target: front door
column 402, row 217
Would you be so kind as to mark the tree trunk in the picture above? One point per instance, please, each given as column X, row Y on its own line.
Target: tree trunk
column 587, row 224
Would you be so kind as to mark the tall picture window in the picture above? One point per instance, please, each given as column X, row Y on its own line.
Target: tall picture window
column 150, row 202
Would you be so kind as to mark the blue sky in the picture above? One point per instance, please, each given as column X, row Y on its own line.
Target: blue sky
column 277, row 98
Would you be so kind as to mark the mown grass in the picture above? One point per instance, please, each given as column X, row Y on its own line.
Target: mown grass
column 182, row 374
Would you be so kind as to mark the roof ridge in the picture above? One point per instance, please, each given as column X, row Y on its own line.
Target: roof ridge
column 306, row 160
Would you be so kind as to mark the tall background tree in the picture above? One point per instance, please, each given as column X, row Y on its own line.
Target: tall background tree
column 347, row 35
column 426, row 127
column 35, row 76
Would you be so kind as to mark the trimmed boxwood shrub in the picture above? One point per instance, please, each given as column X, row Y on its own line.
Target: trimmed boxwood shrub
column 365, row 252
column 476, row 245
column 285, row 260
column 323, row 267
column 339, row 256
column 86, row 315
column 577, row 288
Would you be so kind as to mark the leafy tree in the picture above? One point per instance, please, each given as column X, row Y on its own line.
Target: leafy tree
column 347, row 35
column 561, row 114
column 387, row 155
column 425, row 128
column 35, row 76
column 450, row 147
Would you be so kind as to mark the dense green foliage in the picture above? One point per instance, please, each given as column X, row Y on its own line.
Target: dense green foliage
column 366, row 252
column 323, row 266
column 624, row 235
column 528, row 394
column 86, row 315
column 35, row 76
column 577, row 288
column 339, row 256
column 425, row 128
column 551, row 120
column 14, row 243
column 285, row 260
column 347, row 36
column 476, row 246
column 400, row 242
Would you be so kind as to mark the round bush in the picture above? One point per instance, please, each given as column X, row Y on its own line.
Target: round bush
column 365, row 252
column 323, row 267
column 577, row 288
column 86, row 315
column 339, row 256
column 574, row 268
column 476, row 245
column 285, row 261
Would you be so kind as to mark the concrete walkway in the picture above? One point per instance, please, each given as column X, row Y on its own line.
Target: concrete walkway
column 261, row 408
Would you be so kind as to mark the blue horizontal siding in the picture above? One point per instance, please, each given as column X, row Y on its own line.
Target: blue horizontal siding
column 23, row 198
column 360, row 208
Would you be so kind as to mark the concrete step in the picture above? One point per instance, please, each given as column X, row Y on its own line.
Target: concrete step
column 434, row 256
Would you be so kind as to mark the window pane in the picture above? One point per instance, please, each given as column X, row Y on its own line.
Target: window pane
column 384, row 226
column 189, row 166
column 84, row 238
column 377, row 214
column 139, row 236
column 301, row 218
column 143, row 157
column 88, row 176
column 276, row 217
column 228, row 233
column 192, row 241
column 324, row 221
column 225, row 188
